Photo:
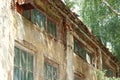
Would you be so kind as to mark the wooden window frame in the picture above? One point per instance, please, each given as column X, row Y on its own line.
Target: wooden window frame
column 28, row 6
column 106, row 67
column 20, row 68
column 53, row 64
column 80, row 46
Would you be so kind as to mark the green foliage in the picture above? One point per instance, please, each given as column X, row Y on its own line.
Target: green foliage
column 101, row 76
column 70, row 4
column 105, row 24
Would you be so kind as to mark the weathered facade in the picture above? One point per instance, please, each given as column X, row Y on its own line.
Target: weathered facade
column 43, row 40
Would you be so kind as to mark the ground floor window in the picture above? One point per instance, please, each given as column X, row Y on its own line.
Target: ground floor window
column 77, row 77
column 23, row 65
column 50, row 71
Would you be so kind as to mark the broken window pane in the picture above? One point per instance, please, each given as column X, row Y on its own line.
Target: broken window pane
column 17, row 57
column 16, row 73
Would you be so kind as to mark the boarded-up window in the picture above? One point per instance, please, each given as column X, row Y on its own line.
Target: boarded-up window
column 23, row 65
column 50, row 71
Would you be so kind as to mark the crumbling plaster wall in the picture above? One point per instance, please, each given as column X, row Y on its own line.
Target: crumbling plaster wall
column 44, row 45
column 7, row 34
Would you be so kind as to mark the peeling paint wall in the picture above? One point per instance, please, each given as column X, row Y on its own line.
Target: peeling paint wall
column 7, row 32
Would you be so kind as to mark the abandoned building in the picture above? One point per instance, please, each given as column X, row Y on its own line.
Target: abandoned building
column 44, row 40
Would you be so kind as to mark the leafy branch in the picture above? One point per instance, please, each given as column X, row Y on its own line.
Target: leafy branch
column 111, row 8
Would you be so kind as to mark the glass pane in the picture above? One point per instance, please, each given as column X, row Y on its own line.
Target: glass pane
column 16, row 74
column 43, row 22
column 83, row 53
column 38, row 18
column 26, row 14
column 54, row 30
column 45, row 71
column 30, row 62
column 23, row 60
column 76, row 78
column 34, row 16
column 49, row 69
column 17, row 57
column 76, row 47
column 49, row 27
column 54, row 73
column 30, row 76
column 23, row 75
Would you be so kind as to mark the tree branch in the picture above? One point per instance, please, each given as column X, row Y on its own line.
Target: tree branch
column 108, row 5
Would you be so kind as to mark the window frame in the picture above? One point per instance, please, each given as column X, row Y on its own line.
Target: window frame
column 106, row 69
column 54, row 23
column 53, row 64
column 80, row 54
column 79, row 49
column 27, row 52
column 21, row 9
column 79, row 75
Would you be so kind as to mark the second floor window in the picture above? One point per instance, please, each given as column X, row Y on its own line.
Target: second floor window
column 81, row 52
column 108, row 71
column 51, row 28
column 38, row 18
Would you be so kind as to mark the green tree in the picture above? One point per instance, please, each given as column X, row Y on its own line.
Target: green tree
column 103, row 17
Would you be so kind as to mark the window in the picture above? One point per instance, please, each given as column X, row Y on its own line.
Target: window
column 23, row 65
column 80, row 51
column 36, row 17
column 51, row 28
column 76, row 48
column 50, row 72
column 76, row 77
column 108, row 72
